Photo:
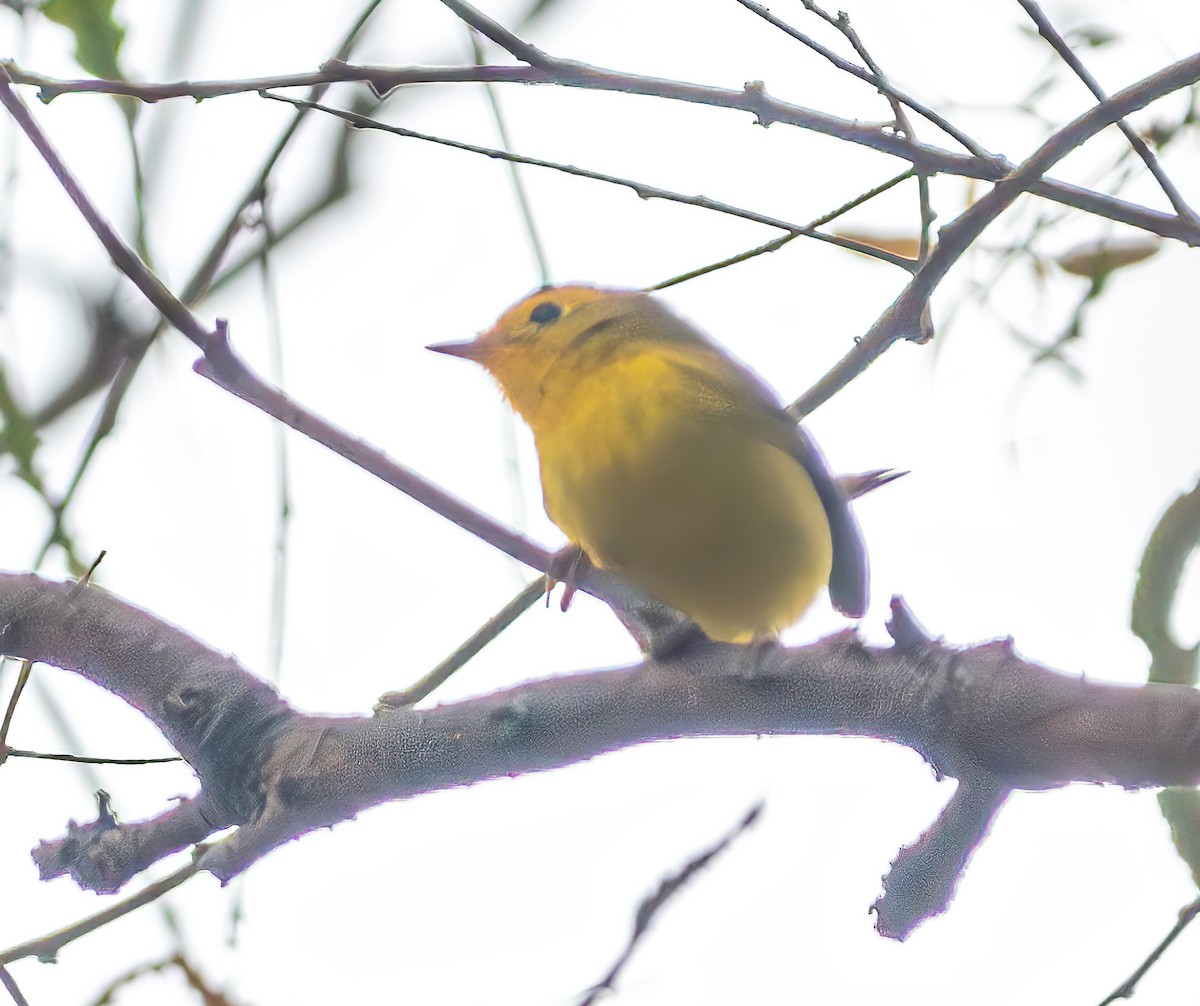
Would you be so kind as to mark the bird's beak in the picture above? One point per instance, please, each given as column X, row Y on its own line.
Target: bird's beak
column 470, row 350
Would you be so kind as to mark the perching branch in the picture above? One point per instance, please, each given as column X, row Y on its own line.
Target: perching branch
column 983, row 715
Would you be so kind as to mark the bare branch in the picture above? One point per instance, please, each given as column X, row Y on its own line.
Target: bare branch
column 207, row 995
column 655, row 902
column 652, row 624
column 86, row 759
column 903, row 318
column 22, row 680
column 490, row 629
column 222, row 365
column 11, row 987
column 124, row 257
column 924, row 875
column 983, row 715
column 927, row 159
column 498, row 34
column 641, row 189
column 46, row 948
column 777, row 243
column 1059, row 44
column 1129, row 985
column 871, row 78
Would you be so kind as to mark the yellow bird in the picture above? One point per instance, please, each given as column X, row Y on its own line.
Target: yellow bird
column 671, row 463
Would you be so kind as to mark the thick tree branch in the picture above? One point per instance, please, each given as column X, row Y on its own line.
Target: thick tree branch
column 924, row 875
column 983, row 715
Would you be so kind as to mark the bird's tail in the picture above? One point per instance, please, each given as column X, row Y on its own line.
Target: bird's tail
column 855, row 486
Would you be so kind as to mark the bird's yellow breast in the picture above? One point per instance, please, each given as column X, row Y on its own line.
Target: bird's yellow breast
column 643, row 469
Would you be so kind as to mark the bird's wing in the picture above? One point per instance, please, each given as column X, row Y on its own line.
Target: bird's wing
column 739, row 395
column 848, row 579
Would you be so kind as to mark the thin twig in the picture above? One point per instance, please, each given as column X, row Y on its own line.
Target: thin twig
column 1051, row 35
column 199, row 283
column 865, row 75
column 902, row 319
column 124, row 257
column 82, row 583
column 514, row 172
column 499, row 34
column 642, row 190
column 11, row 987
column 206, row 994
column 777, row 243
column 18, row 688
column 86, row 760
column 842, row 23
column 490, row 629
column 279, row 551
column 207, row 269
column 221, row 365
column 1129, row 985
column 46, row 948
column 568, row 73
column 653, row 904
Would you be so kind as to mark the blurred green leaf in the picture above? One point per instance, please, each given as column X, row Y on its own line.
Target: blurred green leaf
column 19, row 433
column 98, row 37
column 1174, row 539
column 1181, row 808
column 1092, row 36
column 538, row 9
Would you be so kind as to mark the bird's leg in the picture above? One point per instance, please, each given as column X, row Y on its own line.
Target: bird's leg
column 660, row 630
column 754, row 653
column 575, row 576
column 570, row 565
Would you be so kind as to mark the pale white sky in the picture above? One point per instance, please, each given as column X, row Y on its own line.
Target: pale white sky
column 1030, row 499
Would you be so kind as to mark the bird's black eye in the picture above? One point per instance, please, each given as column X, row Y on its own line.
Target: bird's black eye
column 545, row 312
